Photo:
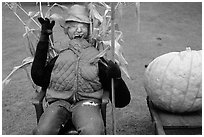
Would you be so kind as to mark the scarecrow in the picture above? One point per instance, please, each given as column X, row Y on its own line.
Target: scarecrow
column 73, row 85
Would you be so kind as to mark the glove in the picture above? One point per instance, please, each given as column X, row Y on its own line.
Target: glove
column 114, row 70
column 47, row 26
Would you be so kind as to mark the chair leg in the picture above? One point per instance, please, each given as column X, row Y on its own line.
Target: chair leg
column 37, row 101
column 103, row 112
column 39, row 110
column 105, row 101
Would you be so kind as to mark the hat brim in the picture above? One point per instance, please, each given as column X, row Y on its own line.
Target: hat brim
column 81, row 19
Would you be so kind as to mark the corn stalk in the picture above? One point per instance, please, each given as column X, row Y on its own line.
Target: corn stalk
column 113, row 59
column 35, row 34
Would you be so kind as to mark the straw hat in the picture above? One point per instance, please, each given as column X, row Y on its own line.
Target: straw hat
column 78, row 13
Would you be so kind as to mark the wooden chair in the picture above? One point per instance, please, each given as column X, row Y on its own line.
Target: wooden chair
column 68, row 129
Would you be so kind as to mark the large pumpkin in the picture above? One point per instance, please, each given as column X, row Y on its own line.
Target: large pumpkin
column 173, row 81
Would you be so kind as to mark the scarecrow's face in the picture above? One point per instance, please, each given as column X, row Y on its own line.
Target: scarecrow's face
column 77, row 30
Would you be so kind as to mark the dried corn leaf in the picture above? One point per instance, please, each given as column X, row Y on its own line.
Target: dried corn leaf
column 30, row 46
column 94, row 13
column 13, row 6
column 25, row 63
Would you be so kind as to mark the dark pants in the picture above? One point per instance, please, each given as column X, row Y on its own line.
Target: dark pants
column 85, row 116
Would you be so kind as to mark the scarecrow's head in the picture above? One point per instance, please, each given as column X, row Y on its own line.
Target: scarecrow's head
column 77, row 23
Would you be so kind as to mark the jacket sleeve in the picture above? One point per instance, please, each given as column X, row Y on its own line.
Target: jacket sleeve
column 122, row 94
column 40, row 72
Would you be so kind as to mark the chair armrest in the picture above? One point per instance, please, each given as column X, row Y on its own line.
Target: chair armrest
column 38, row 97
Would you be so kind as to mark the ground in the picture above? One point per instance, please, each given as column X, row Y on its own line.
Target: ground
column 164, row 27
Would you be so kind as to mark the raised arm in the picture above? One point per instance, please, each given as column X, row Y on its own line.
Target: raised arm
column 39, row 71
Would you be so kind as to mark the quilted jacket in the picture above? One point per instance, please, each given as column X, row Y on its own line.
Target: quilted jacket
column 73, row 76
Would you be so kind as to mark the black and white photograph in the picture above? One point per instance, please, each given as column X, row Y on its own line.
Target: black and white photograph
column 101, row 68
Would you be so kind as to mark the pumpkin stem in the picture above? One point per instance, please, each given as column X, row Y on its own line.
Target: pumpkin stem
column 188, row 48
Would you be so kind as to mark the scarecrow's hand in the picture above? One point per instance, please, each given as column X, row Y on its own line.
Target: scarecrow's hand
column 47, row 26
column 114, row 70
